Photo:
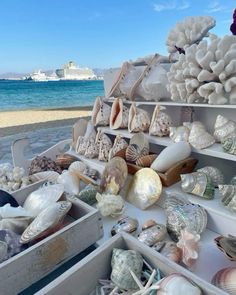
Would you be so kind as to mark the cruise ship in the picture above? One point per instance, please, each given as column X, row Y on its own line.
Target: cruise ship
column 70, row 71
column 37, row 76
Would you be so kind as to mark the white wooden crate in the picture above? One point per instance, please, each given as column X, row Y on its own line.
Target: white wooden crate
column 29, row 266
column 83, row 277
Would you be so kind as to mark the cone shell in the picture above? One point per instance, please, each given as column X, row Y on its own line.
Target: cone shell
column 64, row 160
column 198, row 183
column 79, row 129
column 225, row 279
column 160, row 123
column 139, row 119
column 199, row 138
column 215, row 174
column 229, row 145
column 101, row 113
column 119, row 114
column 146, row 161
column 228, row 193
column 118, row 145
column 138, row 147
column 224, row 128
column 227, row 245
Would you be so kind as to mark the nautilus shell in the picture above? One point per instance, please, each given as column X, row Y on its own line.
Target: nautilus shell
column 215, row 174
column 125, row 224
column 225, row 279
column 101, row 113
column 119, row 114
column 228, row 194
column 139, row 119
column 227, row 245
column 160, row 123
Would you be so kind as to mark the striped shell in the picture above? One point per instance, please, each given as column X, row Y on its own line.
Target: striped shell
column 139, row 119
column 160, row 123
column 101, row 113
column 228, row 193
column 215, row 174
column 119, row 144
column 229, row 145
column 138, row 147
column 225, row 279
column 64, row 160
column 146, row 161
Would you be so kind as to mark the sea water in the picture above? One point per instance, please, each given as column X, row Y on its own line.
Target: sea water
column 20, row 95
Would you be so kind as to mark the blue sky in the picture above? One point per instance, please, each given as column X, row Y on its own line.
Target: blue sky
column 47, row 33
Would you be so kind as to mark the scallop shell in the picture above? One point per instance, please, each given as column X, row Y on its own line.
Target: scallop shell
column 169, row 249
column 126, row 224
column 224, row 128
column 114, row 176
column 46, row 221
column 146, row 161
column 198, row 183
column 180, row 133
column 101, row 112
column 199, row 138
column 215, row 174
column 229, row 145
column 105, row 144
column 138, row 147
column 70, row 182
column 139, row 119
column 6, row 198
column 50, row 176
column 189, row 244
column 110, row 205
column 64, row 160
column 119, row 114
column 120, row 274
column 145, row 188
column 225, row 280
column 160, row 123
column 153, row 234
column 77, row 166
column 227, row 245
column 190, row 216
column 40, row 199
column 118, row 145
column 228, row 193
column 79, row 129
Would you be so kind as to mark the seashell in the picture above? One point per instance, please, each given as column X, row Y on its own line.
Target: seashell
column 46, row 221
column 6, row 198
column 115, row 89
column 233, row 180
column 121, row 153
column 227, row 245
column 189, row 244
column 118, row 145
column 190, row 216
column 125, row 224
column 105, row 144
column 225, row 280
column 114, row 176
column 42, row 163
column 177, row 284
column 224, row 128
column 152, row 234
column 7, row 211
column 199, row 138
column 101, row 112
column 146, row 161
column 78, row 167
column 119, row 114
column 199, row 184
column 160, row 123
column 70, row 182
column 171, row 155
column 81, row 145
column 40, row 199
column 139, row 119
column 17, row 224
column 91, row 173
column 169, row 249
column 90, row 131
column 110, row 205
column 214, row 173
column 120, row 274
column 180, row 133
column 228, row 194
column 64, row 160
column 79, row 129
column 145, row 188
column 3, row 251
column 138, row 147
column 229, row 145
column 50, row 176
column 92, row 149
column 88, row 194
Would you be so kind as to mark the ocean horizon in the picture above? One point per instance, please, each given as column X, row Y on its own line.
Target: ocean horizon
column 29, row 95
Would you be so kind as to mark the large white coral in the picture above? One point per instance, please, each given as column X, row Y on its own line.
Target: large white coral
column 207, row 72
column 189, row 31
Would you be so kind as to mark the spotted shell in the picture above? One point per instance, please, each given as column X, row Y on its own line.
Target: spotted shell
column 229, row 145
column 92, row 150
column 215, row 174
column 120, row 274
column 105, row 144
column 101, row 112
column 139, row 119
column 160, row 123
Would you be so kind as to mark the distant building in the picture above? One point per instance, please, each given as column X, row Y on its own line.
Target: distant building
column 71, row 72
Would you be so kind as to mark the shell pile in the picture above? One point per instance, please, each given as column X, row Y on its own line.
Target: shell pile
column 43, row 163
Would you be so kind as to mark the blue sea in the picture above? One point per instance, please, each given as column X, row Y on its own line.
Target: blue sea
column 21, row 95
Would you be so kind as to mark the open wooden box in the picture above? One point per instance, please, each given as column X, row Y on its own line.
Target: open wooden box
column 83, row 277
column 24, row 269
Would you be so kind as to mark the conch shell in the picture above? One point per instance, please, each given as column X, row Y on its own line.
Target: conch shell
column 160, row 123
column 224, row 128
column 119, row 114
column 101, row 113
column 139, row 120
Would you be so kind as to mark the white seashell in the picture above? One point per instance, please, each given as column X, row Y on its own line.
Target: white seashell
column 160, row 123
column 77, row 167
column 101, row 112
column 199, row 138
column 50, row 176
column 110, row 205
column 90, row 131
column 115, row 89
column 7, row 211
column 180, row 133
column 215, row 174
column 171, row 155
column 119, row 114
column 40, row 199
column 139, row 120
column 79, row 129
column 118, row 145
column 17, row 224
column 224, row 128
column 70, row 181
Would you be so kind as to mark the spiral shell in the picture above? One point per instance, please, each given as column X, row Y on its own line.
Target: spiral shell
column 180, row 133
column 215, row 174
column 64, row 160
column 224, row 128
column 199, row 138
